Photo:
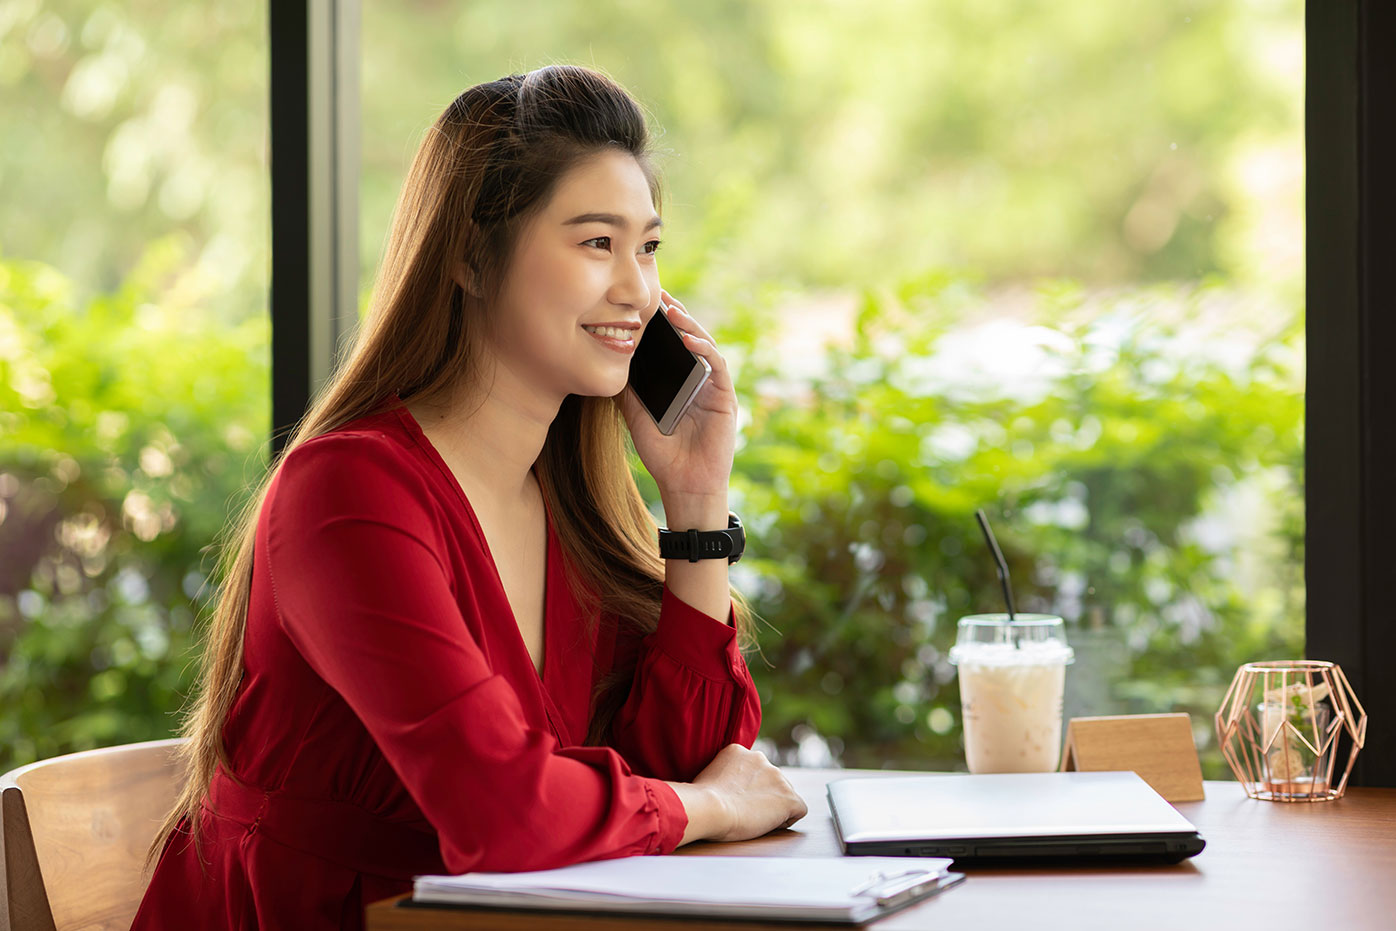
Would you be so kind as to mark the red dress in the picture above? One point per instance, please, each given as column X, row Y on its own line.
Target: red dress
column 390, row 721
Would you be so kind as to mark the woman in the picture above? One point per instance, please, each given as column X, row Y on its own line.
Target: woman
column 446, row 641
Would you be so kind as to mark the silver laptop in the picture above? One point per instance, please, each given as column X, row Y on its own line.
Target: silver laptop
column 1009, row 816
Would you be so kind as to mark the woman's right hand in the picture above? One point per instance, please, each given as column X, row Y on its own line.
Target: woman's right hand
column 738, row 796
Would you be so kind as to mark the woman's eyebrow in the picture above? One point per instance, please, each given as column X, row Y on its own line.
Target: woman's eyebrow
column 613, row 219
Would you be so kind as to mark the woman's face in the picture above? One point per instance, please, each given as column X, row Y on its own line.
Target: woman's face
column 582, row 283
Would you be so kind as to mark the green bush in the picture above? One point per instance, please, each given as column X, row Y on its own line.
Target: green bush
column 133, row 425
column 129, row 427
column 860, row 484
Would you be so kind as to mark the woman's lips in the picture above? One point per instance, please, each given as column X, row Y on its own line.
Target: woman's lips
column 622, row 346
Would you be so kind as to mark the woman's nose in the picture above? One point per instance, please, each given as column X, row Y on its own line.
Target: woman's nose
column 628, row 285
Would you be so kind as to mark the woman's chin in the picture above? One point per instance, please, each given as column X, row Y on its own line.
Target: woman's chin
column 605, row 387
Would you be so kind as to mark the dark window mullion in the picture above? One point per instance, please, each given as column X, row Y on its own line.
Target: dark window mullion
column 314, row 188
column 1350, row 498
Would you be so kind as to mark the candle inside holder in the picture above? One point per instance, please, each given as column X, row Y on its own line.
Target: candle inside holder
column 1280, row 726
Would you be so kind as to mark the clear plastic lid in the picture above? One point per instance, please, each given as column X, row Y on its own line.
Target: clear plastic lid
column 992, row 639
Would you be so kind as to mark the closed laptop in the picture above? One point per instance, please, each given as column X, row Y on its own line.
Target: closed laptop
column 1009, row 816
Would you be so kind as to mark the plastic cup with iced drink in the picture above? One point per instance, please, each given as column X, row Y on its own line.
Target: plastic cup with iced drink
column 1012, row 673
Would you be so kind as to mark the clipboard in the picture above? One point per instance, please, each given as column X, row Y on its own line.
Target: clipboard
column 834, row 890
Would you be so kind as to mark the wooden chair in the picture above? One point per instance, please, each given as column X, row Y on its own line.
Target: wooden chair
column 75, row 833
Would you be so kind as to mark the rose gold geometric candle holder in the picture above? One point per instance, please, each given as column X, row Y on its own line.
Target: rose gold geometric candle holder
column 1279, row 728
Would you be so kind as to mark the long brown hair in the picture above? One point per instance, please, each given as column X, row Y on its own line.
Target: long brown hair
column 488, row 164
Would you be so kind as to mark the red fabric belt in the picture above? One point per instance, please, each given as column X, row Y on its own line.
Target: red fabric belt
column 340, row 832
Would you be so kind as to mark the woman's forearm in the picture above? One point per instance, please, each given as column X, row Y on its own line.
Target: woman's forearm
column 703, row 584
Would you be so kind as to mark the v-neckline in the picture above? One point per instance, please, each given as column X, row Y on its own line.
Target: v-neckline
column 542, row 677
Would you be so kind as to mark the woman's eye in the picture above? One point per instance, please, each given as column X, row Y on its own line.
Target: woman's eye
column 604, row 242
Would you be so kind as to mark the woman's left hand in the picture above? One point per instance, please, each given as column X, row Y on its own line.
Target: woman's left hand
column 695, row 462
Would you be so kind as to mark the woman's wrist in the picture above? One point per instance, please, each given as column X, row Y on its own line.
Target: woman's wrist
column 702, row 585
column 707, row 815
column 695, row 511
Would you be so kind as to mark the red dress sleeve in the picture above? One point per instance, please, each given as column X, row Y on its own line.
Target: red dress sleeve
column 361, row 591
column 692, row 695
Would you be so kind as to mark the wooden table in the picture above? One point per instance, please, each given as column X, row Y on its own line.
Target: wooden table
column 1268, row 865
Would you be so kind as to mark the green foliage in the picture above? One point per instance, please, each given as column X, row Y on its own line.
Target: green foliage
column 1144, row 488
column 860, row 484
column 131, row 425
column 126, row 122
column 839, row 143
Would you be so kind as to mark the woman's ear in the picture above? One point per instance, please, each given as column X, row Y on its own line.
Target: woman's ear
column 467, row 279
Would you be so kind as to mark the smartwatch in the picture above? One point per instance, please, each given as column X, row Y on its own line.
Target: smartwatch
column 694, row 545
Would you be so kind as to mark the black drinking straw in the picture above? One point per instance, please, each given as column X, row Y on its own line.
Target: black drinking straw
column 998, row 560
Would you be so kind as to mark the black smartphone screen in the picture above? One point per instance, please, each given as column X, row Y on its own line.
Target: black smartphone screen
column 660, row 366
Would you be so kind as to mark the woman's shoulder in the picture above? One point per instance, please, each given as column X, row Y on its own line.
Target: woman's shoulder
column 361, row 441
column 380, row 431
column 375, row 456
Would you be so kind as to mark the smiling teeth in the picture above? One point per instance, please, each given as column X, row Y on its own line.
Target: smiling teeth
column 612, row 332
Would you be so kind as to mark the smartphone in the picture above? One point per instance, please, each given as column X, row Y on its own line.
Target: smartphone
column 665, row 374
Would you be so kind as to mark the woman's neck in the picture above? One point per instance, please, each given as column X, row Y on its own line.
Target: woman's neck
column 492, row 437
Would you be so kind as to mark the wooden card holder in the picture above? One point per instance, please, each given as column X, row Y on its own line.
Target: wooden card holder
column 1159, row 747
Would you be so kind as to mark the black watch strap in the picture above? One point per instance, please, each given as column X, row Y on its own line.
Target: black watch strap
column 694, row 545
